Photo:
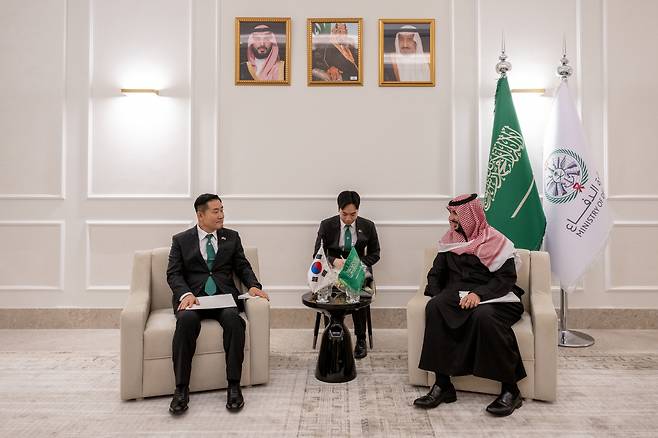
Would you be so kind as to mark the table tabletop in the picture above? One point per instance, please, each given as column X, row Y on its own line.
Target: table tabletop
column 336, row 302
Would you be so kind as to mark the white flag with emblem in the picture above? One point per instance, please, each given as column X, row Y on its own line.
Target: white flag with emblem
column 320, row 274
column 578, row 219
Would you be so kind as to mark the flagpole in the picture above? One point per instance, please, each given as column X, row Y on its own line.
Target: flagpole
column 566, row 337
column 503, row 66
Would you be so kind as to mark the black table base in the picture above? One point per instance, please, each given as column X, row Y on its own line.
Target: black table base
column 336, row 361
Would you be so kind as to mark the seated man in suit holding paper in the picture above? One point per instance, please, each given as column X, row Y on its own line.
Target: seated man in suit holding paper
column 338, row 235
column 202, row 261
column 463, row 334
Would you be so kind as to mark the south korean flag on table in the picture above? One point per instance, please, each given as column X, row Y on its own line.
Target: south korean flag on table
column 320, row 274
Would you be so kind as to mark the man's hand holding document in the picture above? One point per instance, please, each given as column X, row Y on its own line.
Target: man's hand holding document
column 218, row 301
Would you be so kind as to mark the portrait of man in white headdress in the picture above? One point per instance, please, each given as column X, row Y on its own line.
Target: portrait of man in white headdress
column 407, row 53
column 262, row 54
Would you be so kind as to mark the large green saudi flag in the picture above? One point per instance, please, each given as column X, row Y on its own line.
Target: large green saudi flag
column 511, row 201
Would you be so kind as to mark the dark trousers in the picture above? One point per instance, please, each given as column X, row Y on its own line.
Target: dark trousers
column 359, row 318
column 188, row 326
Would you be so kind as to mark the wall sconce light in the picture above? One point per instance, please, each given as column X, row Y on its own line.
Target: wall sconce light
column 139, row 91
column 540, row 91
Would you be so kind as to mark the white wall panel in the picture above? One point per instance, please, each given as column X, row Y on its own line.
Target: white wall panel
column 111, row 246
column 32, row 40
column 140, row 145
column 275, row 154
column 315, row 141
column 631, row 257
column 632, row 118
column 32, row 255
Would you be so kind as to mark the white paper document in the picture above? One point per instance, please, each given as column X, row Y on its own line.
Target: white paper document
column 509, row 298
column 219, row 301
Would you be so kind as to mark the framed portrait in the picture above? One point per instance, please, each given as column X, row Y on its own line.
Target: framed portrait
column 406, row 53
column 262, row 51
column 334, row 51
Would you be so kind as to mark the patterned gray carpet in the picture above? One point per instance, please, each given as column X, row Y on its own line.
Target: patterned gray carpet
column 76, row 394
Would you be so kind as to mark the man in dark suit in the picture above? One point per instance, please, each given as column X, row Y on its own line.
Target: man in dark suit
column 338, row 235
column 202, row 261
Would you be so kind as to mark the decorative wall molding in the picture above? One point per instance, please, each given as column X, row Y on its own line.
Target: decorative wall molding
column 63, row 139
column 608, row 263
column 465, row 35
column 90, row 118
column 332, row 197
column 631, row 197
column 290, row 223
column 450, row 149
column 115, row 223
column 604, row 72
column 62, row 251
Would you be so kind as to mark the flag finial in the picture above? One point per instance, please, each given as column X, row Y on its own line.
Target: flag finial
column 564, row 70
column 503, row 66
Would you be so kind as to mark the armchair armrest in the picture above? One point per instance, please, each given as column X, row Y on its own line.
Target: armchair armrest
column 544, row 324
column 258, row 314
column 132, row 324
column 415, row 333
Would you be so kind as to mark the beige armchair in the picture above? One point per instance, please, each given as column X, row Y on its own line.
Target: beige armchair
column 147, row 330
column 536, row 332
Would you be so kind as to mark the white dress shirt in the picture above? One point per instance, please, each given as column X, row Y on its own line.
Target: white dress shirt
column 202, row 247
column 202, row 242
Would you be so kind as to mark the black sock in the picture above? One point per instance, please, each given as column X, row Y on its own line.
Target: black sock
column 510, row 387
column 181, row 388
column 443, row 380
column 233, row 382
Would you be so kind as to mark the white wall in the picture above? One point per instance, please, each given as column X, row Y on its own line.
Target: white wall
column 87, row 176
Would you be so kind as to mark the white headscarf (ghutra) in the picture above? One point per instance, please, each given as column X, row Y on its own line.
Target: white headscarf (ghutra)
column 412, row 67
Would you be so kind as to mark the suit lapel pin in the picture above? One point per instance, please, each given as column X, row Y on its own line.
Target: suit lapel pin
column 223, row 237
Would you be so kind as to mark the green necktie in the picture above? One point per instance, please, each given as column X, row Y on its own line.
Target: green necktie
column 211, row 287
column 348, row 239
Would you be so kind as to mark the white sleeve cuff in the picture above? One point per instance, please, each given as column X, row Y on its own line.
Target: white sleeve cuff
column 184, row 295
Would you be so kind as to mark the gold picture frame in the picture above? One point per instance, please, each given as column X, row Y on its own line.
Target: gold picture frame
column 334, row 49
column 404, row 60
column 271, row 66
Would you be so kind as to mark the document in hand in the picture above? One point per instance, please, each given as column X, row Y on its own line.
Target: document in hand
column 509, row 298
column 214, row 302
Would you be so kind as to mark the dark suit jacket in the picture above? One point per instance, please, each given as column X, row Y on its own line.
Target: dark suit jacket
column 367, row 243
column 188, row 271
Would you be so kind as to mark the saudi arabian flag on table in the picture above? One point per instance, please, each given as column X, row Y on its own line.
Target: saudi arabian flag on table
column 353, row 274
column 511, row 201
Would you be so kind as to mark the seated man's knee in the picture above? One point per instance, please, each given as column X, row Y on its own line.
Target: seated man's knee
column 187, row 319
column 484, row 315
column 233, row 319
column 434, row 304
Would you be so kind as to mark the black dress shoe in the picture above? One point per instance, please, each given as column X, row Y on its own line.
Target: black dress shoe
column 360, row 349
column 505, row 404
column 436, row 396
column 179, row 402
column 234, row 399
